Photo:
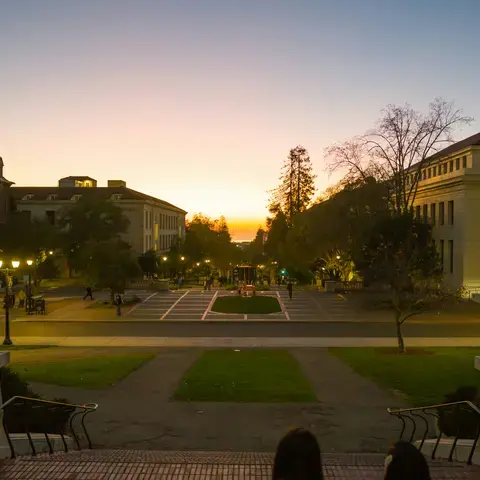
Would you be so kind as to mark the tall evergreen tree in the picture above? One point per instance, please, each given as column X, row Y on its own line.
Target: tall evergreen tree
column 297, row 186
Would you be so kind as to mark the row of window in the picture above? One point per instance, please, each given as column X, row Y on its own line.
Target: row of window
column 422, row 213
column 438, row 170
column 450, row 255
column 75, row 198
column 164, row 242
column 165, row 222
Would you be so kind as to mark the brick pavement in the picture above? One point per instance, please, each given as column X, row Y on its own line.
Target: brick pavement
column 149, row 465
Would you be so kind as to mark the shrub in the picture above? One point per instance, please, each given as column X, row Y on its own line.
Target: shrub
column 460, row 421
column 41, row 418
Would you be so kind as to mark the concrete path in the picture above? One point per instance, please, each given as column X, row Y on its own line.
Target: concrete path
column 139, row 413
column 221, row 342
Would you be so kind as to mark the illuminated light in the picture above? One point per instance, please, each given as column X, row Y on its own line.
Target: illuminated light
column 182, row 258
column 50, row 252
column 29, row 263
column 198, row 264
column 164, row 259
column 15, row 263
column 1, row 263
column 207, row 261
column 338, row 257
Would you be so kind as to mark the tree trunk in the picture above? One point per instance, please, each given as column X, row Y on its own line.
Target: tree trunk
column 401, row 343
column 112, row 296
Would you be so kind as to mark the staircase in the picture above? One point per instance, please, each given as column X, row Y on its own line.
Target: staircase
column 149, row 465
column 67, row 435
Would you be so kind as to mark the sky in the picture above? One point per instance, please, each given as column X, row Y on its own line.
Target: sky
column 198, row 102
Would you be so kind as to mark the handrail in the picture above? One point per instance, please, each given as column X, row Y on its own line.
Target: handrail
column 92, row 406
column 73, row 410
column 419, row 412
column 438, row 405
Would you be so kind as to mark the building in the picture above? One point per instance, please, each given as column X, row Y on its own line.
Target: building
column 154, row 224
column 4, row 195
column 448, row 196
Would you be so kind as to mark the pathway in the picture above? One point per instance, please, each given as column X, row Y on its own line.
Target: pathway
column 139, row 413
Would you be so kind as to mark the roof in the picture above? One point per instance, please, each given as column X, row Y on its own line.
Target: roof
column 100, row 193
column 474, row 140
column 73, row 177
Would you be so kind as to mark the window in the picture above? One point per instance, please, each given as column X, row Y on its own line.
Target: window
column 457, row 163
column 451, row 165
column 28, row 196
column 51, row 216
column 442, row 253
column 450, row 212
column 464, row 158
column 76, row 198
column 433, row 212
column 146, row 219
column 441, row 213
column 425, row 213
column 417, row 213
column 434, row 171
column 52, row 196
column 450, row 253
column 444, row 168
column 424, row 175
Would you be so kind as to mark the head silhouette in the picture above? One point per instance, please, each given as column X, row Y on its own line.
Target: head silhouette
column 406, row 462
column 298, row 457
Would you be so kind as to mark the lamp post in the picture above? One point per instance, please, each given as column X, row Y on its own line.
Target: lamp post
column 15, row 264
column 28, row 303
column 164, row 272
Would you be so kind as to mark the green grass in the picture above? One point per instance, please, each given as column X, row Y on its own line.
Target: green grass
column 253, row 304
column 425, row 378
column 97, row 371
column 245, row 376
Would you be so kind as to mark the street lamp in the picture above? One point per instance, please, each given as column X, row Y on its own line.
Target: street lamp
column 15, row 264
column 182, row 258
column 338, row 257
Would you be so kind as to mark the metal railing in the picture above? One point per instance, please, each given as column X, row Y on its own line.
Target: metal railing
column 422, row 414
column 23, row 410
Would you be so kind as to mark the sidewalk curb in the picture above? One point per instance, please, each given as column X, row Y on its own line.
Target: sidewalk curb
column 245, row 342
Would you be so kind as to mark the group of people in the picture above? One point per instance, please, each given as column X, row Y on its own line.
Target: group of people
column 298, row 457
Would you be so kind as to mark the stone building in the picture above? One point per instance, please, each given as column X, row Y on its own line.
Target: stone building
column 154, row 223
column 448, row 197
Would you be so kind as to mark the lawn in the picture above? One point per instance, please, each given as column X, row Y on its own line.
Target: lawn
column 95, row 371
column 254, row 304
column 245, row 376
column 425, row 376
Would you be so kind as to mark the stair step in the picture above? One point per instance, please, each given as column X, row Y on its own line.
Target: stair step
column 150, row 464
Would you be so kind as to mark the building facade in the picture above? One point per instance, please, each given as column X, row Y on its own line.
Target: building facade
column 448, row 197
column 154, row 223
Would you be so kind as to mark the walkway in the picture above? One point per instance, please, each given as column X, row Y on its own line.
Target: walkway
column 243, row 342
column 154, row 465
column 350, row 415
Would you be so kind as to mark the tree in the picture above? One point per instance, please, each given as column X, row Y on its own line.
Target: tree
column 403, row 143
column 109, row 264
column 254, row 253
column 400, row 253
column 90, row 220
column 148, row 262
column 297, row 186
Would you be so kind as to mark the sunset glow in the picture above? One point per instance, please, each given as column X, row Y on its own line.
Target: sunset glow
column 198, row 103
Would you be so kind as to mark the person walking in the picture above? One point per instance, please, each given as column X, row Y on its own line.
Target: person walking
column 118, row 303
column 89, row 293
column 290, row 289
column 21, row 298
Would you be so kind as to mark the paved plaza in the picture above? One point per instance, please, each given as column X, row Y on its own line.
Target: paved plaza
column 195, row 304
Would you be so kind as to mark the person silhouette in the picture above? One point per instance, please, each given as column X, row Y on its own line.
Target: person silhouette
column 298, row 457
column 406, row 462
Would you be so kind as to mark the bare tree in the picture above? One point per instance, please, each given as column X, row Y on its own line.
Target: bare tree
column 403, row 143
